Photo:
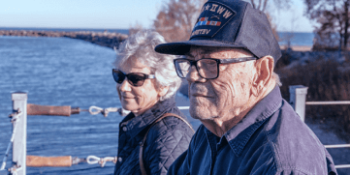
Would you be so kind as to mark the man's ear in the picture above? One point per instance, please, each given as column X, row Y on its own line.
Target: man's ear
column 162, row 90
column 264, row 71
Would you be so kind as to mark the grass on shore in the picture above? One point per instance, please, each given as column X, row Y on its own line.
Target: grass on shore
column 327, row 80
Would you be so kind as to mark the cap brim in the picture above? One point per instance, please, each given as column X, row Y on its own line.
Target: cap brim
column 182, row 48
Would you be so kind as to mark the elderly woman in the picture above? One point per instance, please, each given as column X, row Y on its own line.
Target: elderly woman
column 155, row 132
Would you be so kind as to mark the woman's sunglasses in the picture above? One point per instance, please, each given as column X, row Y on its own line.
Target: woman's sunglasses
column 135, row 79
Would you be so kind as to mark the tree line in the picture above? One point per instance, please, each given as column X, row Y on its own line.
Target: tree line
column 176, row 19
column 333, row 19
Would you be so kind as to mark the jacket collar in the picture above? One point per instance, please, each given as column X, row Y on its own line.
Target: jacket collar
column 239, row 135
column 135, row 125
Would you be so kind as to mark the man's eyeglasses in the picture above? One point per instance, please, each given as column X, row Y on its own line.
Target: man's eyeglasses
column 207, row 67
column 135, row 79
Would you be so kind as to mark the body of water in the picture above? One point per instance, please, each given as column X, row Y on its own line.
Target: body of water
column 295, row 38
column 61, row 71
column 123, row 31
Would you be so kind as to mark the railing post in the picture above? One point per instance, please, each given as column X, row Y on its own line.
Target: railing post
column 297, row 99
column 19, row 148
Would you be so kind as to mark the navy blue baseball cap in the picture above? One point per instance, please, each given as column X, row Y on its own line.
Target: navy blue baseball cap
column 232, row 24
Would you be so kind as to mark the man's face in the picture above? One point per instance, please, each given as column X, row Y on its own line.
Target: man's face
column 226, row 96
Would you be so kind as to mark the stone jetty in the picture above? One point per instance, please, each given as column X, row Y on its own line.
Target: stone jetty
column 106, row 39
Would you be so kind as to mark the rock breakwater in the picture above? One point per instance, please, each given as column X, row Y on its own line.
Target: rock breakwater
column 106, row 39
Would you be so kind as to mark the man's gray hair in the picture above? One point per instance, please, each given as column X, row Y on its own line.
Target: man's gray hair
column 141, row 47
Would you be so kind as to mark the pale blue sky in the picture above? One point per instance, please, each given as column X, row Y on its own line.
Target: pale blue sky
column 111, row 14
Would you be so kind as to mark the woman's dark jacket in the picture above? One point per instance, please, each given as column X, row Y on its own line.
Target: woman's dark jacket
column 165, row 141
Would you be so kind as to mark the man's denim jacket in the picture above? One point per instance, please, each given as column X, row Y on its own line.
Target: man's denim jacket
column 271, row 139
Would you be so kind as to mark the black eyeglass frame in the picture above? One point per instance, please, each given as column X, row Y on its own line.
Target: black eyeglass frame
column 145, row 76
column 218, row 62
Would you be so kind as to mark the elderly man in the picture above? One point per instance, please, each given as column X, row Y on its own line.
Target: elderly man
column 247, row 127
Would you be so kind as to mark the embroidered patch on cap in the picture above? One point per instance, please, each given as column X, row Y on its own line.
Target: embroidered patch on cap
column 213, row 17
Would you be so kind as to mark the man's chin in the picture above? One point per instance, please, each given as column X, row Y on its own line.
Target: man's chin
column 201, row 113
column 199, row 100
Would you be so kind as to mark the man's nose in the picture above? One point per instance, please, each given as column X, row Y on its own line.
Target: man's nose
column 193, row 75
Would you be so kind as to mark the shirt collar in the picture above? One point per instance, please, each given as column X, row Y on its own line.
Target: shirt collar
column 135, row 125
column 239, row 135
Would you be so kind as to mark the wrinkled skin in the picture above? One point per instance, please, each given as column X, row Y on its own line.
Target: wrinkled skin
column 226, row 95
column 222, row 102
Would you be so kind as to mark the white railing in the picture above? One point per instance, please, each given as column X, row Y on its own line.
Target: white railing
column 298, row 101
column 327, row 103
column 19, row 134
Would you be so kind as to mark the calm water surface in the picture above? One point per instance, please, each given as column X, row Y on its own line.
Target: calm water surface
column 61, row 71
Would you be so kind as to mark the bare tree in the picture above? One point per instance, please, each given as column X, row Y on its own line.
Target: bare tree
column 176, row 19
column 262, row 4
column 333, row 17
column 133, row 29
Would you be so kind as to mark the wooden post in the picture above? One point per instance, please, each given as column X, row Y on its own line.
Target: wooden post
column 297, row 99
column 19, row 148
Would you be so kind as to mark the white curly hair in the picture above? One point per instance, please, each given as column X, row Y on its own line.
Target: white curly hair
column 140, row 46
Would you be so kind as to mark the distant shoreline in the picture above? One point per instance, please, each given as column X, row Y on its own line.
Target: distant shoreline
column 122, row 31
column 298, row 48
column 107, row 39
column 300, row 41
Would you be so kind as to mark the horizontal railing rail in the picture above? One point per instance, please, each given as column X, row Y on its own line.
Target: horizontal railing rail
column 184, row 107
column 327, row 103
column 20, row 107
column 342, row 166
column 338, row 146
